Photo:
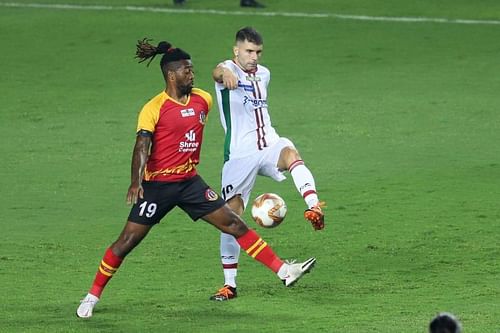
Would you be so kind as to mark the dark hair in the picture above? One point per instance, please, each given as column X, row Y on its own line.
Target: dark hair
column 445, row 323
column 249, row 34
column 146, row 51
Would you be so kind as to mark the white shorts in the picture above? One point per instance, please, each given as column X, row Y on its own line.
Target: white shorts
column 239, row 175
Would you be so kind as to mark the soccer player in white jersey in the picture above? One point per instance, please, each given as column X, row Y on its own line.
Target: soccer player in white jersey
column 252, row 147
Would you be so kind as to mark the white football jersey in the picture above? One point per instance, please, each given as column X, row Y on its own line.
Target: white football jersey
column 243, row 113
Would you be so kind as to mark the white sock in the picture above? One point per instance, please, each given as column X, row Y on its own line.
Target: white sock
column 230, row 277
column 304, row 182
column 229, row 254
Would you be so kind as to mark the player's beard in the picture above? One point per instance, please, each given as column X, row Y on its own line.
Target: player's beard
column 251, row 66
column 185, row 89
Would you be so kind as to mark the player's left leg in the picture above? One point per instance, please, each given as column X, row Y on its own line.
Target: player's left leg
column 290, row 160
column 284, row 156
column 200, row 201
column 228, row 222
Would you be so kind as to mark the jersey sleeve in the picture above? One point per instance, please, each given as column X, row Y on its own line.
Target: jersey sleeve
column 268, row 74
column 148, row 117
column 227, row 63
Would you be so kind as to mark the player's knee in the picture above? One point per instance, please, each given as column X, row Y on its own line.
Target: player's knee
column 236, row 204
column 288, row 156
column 236, row 227
column 125, row 244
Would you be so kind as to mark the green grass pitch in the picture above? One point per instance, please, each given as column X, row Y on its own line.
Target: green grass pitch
column 399, row 122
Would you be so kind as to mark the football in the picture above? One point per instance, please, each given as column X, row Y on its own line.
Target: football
column 269, row 210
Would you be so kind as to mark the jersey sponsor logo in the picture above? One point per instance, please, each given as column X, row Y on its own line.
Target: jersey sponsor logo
column 191, row 135
column 246, row 87
column 256, row 103
column 203, row 117
column 253, row 78
column 190, row 144
column 211, row 195
column 187, row 112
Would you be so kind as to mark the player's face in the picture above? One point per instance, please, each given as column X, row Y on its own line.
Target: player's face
column 184, row 77
column 247, row 55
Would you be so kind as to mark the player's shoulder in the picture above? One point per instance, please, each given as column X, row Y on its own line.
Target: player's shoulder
column 229, row 64
column 156, row 102
column 263, row 69
column 203, row 94
column 264, row 73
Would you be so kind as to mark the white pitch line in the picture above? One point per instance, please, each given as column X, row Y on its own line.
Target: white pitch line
column 249, row 13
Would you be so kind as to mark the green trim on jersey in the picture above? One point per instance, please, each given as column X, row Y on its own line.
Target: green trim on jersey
column 226, row 110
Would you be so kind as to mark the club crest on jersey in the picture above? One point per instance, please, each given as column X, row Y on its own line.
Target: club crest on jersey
column 253, row 78
column 187, row 112
column 211, row 195
column 203, row 117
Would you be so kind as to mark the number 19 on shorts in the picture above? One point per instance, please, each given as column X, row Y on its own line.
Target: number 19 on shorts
column 148, row 209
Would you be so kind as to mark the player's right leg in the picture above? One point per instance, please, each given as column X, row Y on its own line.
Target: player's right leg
column 158, row 200
column 238, row 178
column 229, row 255
column 131, row 235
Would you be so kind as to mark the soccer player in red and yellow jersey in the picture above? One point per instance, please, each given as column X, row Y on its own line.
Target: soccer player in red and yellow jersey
column 166, row 152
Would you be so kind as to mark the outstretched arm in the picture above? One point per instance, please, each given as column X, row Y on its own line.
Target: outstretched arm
column 139, row 159
column 225, row 76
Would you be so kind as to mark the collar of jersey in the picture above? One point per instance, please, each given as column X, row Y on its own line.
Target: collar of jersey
column 176, row 101
column 248, row 72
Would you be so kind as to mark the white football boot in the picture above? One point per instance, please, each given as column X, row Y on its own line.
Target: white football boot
column 291, row 272
column 87, row 306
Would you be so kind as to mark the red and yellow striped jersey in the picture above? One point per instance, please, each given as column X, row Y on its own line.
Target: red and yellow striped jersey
column 177, row 134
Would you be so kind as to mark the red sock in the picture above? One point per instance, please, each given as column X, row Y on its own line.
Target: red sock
column 109, row 265
column 258, row 249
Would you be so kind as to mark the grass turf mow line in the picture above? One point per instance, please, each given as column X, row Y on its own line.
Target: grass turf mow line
column 242, row 13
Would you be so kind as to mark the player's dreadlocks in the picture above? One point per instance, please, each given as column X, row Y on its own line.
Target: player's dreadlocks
column 146, row 51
